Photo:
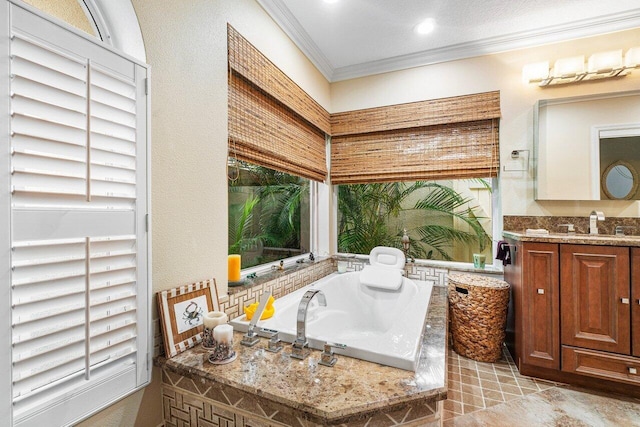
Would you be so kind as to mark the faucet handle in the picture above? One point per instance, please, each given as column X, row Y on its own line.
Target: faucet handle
column 570, row 228
column 274, row 345
column 620, row 229
column 327, row 357
column 250, row 338
column 299, row 350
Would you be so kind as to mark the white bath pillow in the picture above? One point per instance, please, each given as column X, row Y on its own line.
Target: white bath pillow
column 381, row 278
column 384, row 256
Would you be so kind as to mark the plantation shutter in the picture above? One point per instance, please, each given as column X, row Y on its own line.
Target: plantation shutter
column 446, row 138
column 78, row 203
column 272, row 122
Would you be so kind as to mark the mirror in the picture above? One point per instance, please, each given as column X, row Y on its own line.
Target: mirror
column 576, row 139
column 619, row 181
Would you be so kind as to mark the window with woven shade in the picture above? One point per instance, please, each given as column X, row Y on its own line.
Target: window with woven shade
column 448, row 138
column 272, row 121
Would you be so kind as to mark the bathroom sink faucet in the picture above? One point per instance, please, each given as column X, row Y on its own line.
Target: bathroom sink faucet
column 620, row 229
column 594, row 217
column 299, row 349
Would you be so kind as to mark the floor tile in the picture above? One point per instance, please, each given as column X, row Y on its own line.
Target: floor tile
column 472, row 389
column 496, row 395
column 465, row 379
column 493, row 395
column 490, row 385
column 472, row 400
column 487, row 376
column 511, row 389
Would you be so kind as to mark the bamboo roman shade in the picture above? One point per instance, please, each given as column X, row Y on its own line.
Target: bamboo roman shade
column 438, row 139
column 272, row 121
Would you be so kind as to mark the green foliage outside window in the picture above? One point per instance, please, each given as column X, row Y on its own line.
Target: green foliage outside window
column 268, row 215
column 375, row 214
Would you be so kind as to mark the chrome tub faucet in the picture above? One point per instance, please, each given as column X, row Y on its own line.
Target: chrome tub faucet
column 299, row 348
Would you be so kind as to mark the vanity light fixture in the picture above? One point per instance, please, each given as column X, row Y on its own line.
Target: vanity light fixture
column 573, row 69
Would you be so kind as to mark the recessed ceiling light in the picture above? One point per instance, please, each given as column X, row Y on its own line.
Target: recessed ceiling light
column 426, row 26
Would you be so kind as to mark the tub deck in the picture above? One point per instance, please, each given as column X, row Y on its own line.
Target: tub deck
column 273, row 388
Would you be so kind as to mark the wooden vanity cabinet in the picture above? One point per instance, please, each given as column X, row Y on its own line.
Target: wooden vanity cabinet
column 635, row 301
column 540, row 305
column 576, row 313
column 595, row 294
column 535, row 305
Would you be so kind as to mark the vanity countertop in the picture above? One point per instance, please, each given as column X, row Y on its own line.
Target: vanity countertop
column 352, row 390
column 579, row 239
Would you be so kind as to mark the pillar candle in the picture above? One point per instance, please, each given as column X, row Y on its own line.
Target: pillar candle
column 215, row 318
column 223, row 334
column 234, row 262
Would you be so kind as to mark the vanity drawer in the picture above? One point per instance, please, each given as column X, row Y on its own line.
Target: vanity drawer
column 598, row 364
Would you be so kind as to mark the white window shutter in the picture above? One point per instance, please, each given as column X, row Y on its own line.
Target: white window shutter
column 77, row 205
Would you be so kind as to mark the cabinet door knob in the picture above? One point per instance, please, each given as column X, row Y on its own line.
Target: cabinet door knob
column 633, row 371
column 624, row 300
column 541, row 291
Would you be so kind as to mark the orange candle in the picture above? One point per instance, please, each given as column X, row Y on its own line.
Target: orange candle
column 234, row 268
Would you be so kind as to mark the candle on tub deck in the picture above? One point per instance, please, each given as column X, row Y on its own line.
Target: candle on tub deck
column 234, row 268
column 215, row 318
column 223, row 334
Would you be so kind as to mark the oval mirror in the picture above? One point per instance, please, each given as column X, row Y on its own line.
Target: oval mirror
column 619, row 181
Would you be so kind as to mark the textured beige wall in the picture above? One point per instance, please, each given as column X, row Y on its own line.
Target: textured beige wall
column 186, row 47
column 501, row 72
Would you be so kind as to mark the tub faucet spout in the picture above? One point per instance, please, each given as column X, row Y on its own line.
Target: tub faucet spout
column 299, row 349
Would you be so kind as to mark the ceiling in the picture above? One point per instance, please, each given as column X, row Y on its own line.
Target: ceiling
column 355, row 38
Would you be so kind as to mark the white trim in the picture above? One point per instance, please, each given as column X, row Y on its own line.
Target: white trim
column 497, row 222
column 290, row 25
column 524, row 39
column 96, row 21
column 117, row 23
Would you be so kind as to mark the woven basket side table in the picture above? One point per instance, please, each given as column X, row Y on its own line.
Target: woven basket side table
column 478, row 312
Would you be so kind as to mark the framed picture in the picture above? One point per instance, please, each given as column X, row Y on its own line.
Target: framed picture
column 182, row 313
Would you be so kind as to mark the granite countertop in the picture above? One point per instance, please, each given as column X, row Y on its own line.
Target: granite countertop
column 351, row 390
column 580, row 239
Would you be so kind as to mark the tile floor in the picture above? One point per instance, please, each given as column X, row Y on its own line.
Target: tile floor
column 495, row 394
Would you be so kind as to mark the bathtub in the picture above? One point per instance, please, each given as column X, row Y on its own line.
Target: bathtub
column 377, row 325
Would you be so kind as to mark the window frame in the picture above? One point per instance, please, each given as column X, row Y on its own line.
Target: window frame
column 314, row 201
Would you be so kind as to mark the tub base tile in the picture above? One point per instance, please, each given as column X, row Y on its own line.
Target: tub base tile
column 189, row 407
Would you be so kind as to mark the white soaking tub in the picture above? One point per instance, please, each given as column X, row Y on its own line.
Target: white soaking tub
column 376, row 323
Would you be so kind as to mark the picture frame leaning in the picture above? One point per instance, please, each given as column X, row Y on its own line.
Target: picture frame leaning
column 182, row 311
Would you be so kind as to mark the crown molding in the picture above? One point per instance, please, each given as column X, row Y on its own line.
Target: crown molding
column 282, row 16
column 520, row 40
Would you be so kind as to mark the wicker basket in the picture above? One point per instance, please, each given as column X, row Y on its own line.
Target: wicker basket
column 478, row 313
